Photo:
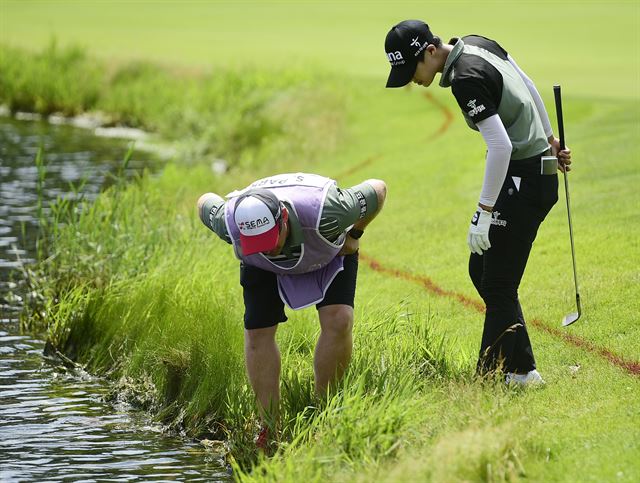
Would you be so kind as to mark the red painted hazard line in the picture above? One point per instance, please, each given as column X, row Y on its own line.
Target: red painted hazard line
column 629, row 366
column 358, row 167
column 429, row 285
column 448, row 119
column 448, row 115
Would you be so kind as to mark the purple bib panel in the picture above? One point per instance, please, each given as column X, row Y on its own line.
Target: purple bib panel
column 306, row 282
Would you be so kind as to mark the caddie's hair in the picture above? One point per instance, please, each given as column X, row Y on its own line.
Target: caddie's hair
column 436, row 41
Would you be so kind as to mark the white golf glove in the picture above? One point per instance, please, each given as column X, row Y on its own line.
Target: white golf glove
column 478, row 237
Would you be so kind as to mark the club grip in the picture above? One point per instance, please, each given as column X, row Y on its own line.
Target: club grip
column 558, row 96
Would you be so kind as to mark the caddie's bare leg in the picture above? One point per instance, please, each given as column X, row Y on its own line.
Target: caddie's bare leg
column 263, row 367
column 333, row 350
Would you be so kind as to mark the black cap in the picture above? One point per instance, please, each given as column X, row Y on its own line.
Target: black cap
column 403, row 45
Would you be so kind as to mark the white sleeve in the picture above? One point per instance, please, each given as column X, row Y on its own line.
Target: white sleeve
column 498, row 155
column 542, row 111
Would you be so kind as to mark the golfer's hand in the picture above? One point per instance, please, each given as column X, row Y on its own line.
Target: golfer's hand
column 564, row 156
column 478, row 237
column 350, row 246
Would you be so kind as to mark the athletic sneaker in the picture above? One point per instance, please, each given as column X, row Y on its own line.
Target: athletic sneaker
column 531, row 378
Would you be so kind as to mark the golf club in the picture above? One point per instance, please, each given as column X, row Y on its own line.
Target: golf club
column 572, row 317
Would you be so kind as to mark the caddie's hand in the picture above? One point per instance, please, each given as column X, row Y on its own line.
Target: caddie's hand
column 478, row 237
column 350, row 246
column 564, row 156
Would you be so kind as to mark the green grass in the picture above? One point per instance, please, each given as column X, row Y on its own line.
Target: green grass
column 146, row 293
column 242, row 118
column 558, row 39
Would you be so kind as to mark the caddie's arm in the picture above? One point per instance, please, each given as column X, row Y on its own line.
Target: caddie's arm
column 211, row 213
column 351, row 210
column 380, row 189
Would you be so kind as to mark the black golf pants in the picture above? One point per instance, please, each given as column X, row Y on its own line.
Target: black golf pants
column 497, row 273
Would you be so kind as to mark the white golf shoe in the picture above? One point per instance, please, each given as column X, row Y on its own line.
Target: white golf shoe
column 531, row 378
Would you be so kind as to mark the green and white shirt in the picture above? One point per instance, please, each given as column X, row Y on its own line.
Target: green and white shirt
column 342, row 208
column 484, row 83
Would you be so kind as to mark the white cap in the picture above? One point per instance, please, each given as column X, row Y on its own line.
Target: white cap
column 255, row 215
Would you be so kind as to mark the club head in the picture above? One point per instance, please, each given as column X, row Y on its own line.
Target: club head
column 570, row 319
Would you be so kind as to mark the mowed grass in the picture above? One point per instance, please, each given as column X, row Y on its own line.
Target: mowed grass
column 568, row 41
column 150, row 294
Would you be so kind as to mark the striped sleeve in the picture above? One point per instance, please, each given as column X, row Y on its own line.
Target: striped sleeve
column 344, row 207
column 212, row 215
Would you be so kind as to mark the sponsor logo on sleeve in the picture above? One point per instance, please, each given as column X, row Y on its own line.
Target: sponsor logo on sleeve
column 474, row 109
column 212, row 214
column 362, row 201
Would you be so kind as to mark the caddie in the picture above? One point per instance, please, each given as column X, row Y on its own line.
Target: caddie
column 297, row 237
column 520, row 180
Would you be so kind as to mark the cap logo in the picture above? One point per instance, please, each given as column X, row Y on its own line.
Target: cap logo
column 253, row 224
column 395, row 58
column 253, row 217
column 415, row 43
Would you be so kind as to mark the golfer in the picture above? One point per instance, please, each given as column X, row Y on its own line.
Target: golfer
column 297, row 237
column 520, row 181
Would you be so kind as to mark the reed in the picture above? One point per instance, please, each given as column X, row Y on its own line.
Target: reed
column 243, row 117
column 134, row 301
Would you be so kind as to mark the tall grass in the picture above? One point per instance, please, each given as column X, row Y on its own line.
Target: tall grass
column 138, row 291
column 56, row 79
column 244, row 117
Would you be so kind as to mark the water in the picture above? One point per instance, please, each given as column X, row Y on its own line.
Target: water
column 54, row 422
